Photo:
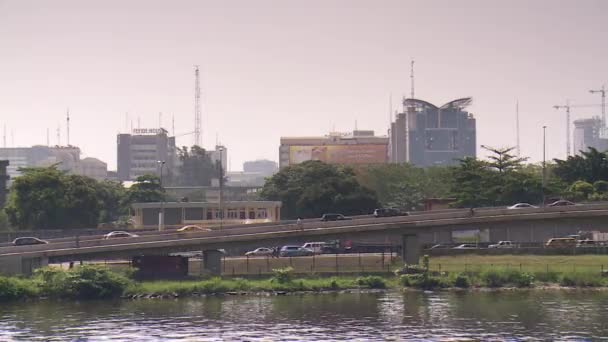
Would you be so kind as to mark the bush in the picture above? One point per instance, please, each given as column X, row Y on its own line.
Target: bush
column 581, row 280
column 283, row 275
column 84, row 282
column 15, row 288
column 547, row 277
column 421, row 281
column 522, row 279
column 462, row 280
column 410, row 269
column 373, row 282
column 492, row 278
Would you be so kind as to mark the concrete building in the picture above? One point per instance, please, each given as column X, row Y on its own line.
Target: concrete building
column 92, row 167
column 3, row 181
column 358, row 147
column 67, row 158
column 219, row 154
column 263, row 167
column 427, row 135
column 587, row 134
column 138, row 153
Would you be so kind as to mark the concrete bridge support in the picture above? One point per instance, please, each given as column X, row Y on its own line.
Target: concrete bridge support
column 212, row 261
column 410, row 253
column 17, row 265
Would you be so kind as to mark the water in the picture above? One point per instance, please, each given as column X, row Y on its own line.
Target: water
column 482, row 316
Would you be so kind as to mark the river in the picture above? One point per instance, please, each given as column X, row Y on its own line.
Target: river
column 437, row 316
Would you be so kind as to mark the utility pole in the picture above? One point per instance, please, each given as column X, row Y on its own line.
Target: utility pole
column 603, row 92
column 517, row 128
column 567, row 108
column 542, row 189
column 221, row 179
column 412, row 79
column 161, row 213
column 68, row 127
column 197, row 107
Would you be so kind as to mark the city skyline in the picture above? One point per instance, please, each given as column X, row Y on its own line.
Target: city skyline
column 293, row 70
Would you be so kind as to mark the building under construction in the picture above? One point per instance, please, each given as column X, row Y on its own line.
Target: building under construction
column 427, row 135
column 587, row 133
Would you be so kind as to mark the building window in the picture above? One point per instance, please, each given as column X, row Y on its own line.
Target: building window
column 243, row 214
column 261, row 213
column 233, row 213
column 209, row 214
column 252, row 215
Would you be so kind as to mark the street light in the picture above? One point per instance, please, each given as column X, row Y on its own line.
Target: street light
column 542, row 189
column 221, row 179
column 161, row 213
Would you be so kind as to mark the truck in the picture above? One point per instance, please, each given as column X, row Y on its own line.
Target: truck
column 599, row 238
column 503, row 244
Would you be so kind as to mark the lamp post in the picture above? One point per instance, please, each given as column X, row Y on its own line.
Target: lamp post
column 161, row 213
column 542, row 188
column 221, row 179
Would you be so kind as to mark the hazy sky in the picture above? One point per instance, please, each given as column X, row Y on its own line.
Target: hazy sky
column 285, row 68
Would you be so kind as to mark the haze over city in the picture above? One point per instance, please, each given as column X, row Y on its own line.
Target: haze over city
column 286, row 68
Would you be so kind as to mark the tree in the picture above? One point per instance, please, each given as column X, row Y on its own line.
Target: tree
column 196, row 167
column 313, row 188
column 145, row 189
column 591, row 166
column 49, row 199
column 502, row 160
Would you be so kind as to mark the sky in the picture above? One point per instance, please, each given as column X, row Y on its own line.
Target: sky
column 293, row 68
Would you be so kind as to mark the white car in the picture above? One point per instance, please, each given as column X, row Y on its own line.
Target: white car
column 521, row 206
column 119, row 234
column 262, row 251
column 502, row 244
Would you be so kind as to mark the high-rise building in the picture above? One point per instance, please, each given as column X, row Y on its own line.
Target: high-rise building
column 3, row 181
column 587, row 134
column 263, row 167
column 427, row 135
column 139, row 153
column 65, row 157
column 358, row 147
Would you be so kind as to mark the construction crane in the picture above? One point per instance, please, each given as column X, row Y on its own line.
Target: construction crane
column 603, row 92
column 197, row 108
column 567, row 107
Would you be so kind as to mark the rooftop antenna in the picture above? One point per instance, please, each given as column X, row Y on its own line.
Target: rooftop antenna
column 173, row 124
column 567, row 108
column 12, row 137
column 603, row 92
column 138, row 123
column 197, row 107
column 68, row 127
column 355, row 124
column 58, row 135
column 48, row 140
column 160, row 119
column 517, row 127
column 127, row 122
column 412, row 79
column 131, row 127
column 217, row 139
column 4, row 136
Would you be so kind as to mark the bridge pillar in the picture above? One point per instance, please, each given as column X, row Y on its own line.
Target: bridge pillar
column 212, row 261
column 410, row 253
column 28, row 265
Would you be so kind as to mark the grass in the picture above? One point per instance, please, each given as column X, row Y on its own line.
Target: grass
column 525, row 263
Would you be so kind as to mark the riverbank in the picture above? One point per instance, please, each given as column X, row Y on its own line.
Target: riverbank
column 95, row 282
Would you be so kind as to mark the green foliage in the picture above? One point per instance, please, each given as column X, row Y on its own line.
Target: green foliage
column 547, row 277
column 15, row 288
column 312, row 188
column 4, row 224
column 196, row 168
column 372, row 282
column 581, row 280
column 49, row 198
column 499, row 278
column 283, row 275
column 404, row 185
column 590, row 166
column 84, row 282
column 581, row 190
column 600, row 186
column 422, row 281
column 461, row 280
column 503, row 180
column 147, row 188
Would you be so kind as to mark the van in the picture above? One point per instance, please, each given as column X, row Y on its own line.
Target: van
column 316, row 247
column 333, row 217
column 567, row 242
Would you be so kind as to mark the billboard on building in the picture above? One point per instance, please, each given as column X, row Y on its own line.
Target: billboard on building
column 339, row 154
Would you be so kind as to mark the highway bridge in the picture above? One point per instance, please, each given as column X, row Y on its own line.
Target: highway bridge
column 409, row 232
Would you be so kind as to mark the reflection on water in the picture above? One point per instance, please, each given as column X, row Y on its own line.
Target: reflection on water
column 530, row 315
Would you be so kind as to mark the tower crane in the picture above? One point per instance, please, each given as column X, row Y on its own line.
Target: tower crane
column 567, row 107
column 603, row 92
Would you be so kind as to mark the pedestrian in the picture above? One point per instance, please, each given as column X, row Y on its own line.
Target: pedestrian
column 472, row 212
column 300, row 224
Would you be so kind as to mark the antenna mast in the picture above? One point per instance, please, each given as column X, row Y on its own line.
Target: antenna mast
column 58, row 135
column 4, row 136
column 517, row 127
column 412, row 79
column 197, row 107
column 68, row 127
column 567, row 108
column 173, row 123
column 48, row 140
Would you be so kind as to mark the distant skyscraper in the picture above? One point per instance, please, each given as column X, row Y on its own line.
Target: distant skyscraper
column 139, row 153
column 3, row 181
column 263, row 166
column 587, row 134
column 427, row 135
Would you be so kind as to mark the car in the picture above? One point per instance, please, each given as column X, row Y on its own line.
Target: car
column 566, row 242
column 388, row 212
column 560, row 203
column 261, row 251
column 119, row 234
column 439, row 246
column 465, row 246
column 502, row 244
column 23, row 241
column 521, row 206
column 289, row 251
column 191, row 228
column 585, row 243
column 334, row 217
column 316, row 247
